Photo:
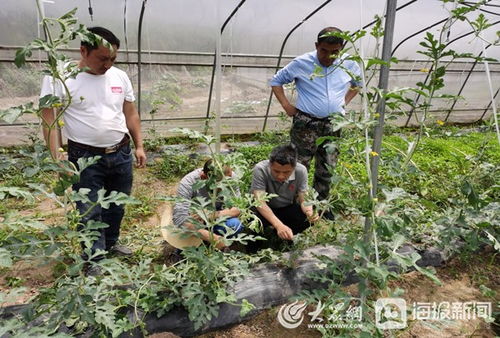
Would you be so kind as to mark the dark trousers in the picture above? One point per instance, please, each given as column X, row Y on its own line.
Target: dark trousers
column 112, row 172
column 292, row 216
column 304, row 133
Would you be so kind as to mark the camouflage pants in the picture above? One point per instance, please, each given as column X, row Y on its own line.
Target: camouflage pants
column 304, row 133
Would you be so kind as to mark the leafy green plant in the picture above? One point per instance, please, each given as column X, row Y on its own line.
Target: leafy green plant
column 144, row 209
column 255, row 154
column 487, row 292
column 200, row 83
column 215, row 270
column 275, row 137
column 242, row 107
column 176, row 165
column 153, row 141
column 14, row 282
column 89, row 304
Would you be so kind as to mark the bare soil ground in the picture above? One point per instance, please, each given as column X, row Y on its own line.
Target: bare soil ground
column 461, row 281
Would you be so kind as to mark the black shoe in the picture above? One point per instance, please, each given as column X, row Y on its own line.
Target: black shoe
column 120, row 250
column 329, row 216
column 177, row 256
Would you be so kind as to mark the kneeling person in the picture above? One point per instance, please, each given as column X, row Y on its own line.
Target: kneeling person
column 283, row 176
column 187, row 190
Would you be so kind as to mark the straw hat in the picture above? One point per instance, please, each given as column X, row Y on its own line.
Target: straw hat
column 175, row 236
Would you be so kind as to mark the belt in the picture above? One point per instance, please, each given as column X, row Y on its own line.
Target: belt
column 314, row 118
column 102, row 150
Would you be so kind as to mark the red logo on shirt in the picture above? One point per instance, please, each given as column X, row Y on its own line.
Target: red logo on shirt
column 116, row 90
column 291, row 187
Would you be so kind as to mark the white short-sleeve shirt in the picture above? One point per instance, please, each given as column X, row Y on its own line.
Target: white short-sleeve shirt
column 95, row 116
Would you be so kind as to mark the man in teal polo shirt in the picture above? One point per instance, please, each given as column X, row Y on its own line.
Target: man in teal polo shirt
column 318, row 98
column 287, row 213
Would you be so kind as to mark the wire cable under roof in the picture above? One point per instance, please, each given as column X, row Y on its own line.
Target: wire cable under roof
column 91, row 11
column 125, row 27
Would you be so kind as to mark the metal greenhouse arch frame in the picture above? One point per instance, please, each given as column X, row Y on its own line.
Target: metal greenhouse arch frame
column 215, row 56
column 281, row 54
column 428, row 74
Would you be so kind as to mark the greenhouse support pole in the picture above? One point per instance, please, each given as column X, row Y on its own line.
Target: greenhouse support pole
column 455, row 100
column 41, row 16
column 218, row 82
column 383, row 85
column 488, row 106
column 125, row 34
column 215, row 56
column 139, row 59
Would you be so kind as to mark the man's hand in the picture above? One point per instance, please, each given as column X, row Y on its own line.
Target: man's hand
column 62, row 155
column 307, row 209
column 209, row 237
column 312, row 216
column 284, row 232
column 219, row 242
column 140, row 157
column 290, row 109
column 134, row 127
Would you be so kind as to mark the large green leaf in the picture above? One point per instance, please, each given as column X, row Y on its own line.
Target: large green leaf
column 5, row 258
column 246, row 307
column 495, row 242
column 48, row 101
column 15, row 192
column 115, row 197
column 394, row 194
column 21, row 55
column 429, row 273
column 11, row 114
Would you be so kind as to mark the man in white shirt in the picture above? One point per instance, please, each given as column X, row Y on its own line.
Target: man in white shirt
column 98, row 123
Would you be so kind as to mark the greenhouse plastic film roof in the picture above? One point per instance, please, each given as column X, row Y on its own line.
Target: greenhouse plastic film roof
column 258, row 27
column 179, row 39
